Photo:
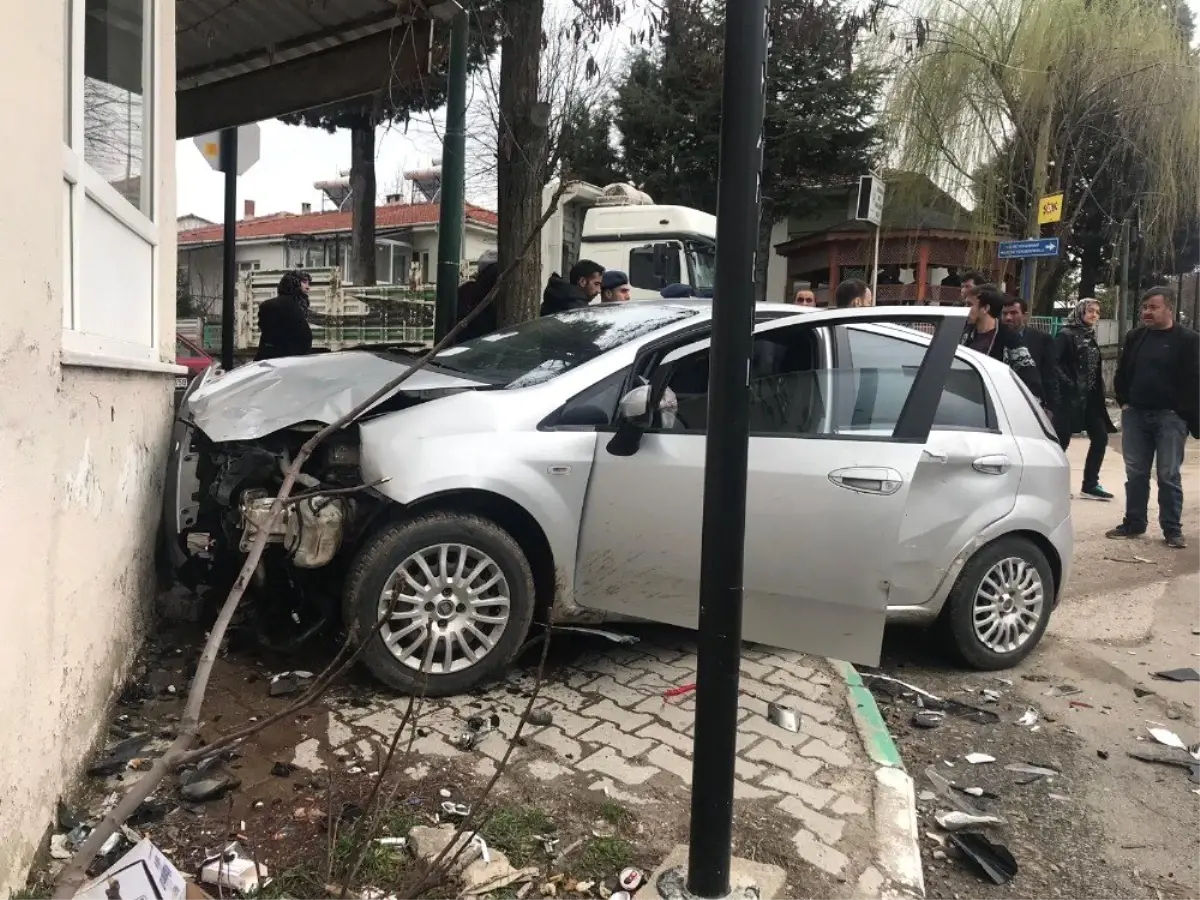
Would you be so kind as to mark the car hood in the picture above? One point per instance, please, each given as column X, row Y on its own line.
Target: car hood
column 257, row 399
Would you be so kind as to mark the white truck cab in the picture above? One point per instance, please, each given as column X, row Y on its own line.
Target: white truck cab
column 620, row 227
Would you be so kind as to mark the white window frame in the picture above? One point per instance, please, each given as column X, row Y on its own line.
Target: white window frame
column 79, row 347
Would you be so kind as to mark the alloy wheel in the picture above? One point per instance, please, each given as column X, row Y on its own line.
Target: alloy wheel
column 1008, row 605
column 445, row 607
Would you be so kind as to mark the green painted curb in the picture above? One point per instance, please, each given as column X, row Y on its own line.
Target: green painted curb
column 871, row 727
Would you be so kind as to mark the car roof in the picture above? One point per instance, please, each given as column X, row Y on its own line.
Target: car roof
column 705, row 304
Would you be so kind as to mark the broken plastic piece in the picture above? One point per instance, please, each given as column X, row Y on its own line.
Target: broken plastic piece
column 783, row 717
column 614, row 636
column 679, row 691
column 1063, row 690
column 1167, row 738
column 957, row 821
column 990, row 695
column 1178, row 675
column 445, row 794
column 976, row 759
column 233, row 869
column 928, row 718
column 449, row 808
column 993, row 860
column 1040, row 771
column 1029, row 717
column 392, row 841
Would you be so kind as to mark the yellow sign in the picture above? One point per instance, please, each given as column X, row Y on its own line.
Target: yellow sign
column 1050, row 209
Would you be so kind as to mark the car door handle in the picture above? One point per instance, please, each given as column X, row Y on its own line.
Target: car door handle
column 868, row 480
column 995, row 464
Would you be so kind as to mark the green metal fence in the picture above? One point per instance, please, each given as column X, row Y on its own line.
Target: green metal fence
column 1046, row 323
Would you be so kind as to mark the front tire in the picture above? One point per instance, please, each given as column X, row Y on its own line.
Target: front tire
column 1000, row 605
column 454, row 579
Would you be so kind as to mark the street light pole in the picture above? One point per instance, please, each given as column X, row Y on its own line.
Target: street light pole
column 451, row 208
column 229, row 153
column 727, row 449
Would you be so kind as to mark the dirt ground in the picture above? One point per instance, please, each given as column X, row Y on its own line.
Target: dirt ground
column 1116, row 826
column 308, row 828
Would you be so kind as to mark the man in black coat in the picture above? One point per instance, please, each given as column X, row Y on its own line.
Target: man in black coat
column 283, row 320
column 985, row 334
column 1158, row 387
column 1040, row 345
column 577, row 290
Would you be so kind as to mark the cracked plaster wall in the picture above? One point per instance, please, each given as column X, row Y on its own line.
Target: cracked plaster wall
column 82, row 452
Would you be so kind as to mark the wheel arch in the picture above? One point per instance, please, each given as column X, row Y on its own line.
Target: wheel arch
column 1048, row 549
column 510, row 516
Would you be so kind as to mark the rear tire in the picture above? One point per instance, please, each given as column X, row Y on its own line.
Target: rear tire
column 458, row 577
column 1000, row 605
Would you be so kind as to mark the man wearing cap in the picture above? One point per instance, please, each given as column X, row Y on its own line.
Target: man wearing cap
column 614, row 287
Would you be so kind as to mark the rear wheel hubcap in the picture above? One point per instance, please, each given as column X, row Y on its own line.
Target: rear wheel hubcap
column 1009, row 605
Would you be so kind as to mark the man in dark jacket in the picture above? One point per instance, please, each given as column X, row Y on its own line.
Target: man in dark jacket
column 1041, row 347
column 283, row 320
column 471, row 294
column 578, row 290
column 986, row 334
column 1158, row 387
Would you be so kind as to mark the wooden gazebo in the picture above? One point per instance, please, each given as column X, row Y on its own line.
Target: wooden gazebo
column 926, row 240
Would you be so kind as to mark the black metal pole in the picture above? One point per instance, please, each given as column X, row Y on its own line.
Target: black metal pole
column 454, row 155
column 229, row 245
column 727, row 447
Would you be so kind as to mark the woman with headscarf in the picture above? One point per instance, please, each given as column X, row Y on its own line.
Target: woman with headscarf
column 1081, row 387
column 283, row 320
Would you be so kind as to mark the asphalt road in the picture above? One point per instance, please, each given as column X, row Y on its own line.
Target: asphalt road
column 1108, row 825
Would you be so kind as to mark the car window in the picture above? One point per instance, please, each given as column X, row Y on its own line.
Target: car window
column 596, row 405
column 785, row 386
column 886, row 366
column 540, row 349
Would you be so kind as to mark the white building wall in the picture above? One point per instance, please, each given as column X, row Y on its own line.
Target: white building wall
column 82, row 451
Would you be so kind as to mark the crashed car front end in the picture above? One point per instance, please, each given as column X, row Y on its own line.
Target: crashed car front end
column 234, row 438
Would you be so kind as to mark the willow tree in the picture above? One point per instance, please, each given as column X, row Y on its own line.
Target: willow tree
column 1007, row 100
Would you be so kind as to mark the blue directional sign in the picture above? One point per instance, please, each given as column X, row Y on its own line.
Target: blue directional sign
column 1029, row 249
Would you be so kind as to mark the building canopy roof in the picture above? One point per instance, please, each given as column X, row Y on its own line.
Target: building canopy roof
column 241, row 61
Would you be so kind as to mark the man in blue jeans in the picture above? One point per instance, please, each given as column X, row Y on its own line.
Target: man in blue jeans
column 1158, row 387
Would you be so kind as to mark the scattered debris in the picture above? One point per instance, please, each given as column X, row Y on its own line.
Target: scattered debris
column 679, row 691
column 455, row 810
column 990, row 695
column 67, row 817
column 117, row 758
column 1133, row 559
column 894, row 687
column 148, row 812
column 1079, row 704
column 445, row 793
column 1167, row 738
column 993, row 860
column 144, row 872
column 208, row 788
column 783, row 717
column 976, row 792
column 540, row 717
column 948, row 793
column 1038, row 772
column 1140, row 692
column 478, row 727
column 392, row 841
column 631, row 879
column 1178, row 675
column 283, row 769
column 1062, row 798
column 1029, row 717
column 233, row 869
column 615, row 636
column 1103, row 754
column 928, row 718
column 60, row 848
column 286, row 683
column 1062, row 690
column 976, row 759
column 957, row 821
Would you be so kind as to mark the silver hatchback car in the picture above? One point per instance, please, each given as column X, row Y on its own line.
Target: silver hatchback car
column 553, row 472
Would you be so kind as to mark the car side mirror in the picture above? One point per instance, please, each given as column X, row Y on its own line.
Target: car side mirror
column 634, row 416
column 635, row 406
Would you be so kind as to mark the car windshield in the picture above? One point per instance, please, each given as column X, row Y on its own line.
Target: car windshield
column 538, row 350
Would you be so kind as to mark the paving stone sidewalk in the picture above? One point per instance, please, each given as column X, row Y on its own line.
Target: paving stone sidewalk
column 613, row 732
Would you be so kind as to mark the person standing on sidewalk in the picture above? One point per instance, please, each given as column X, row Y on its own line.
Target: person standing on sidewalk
column 1158, row 387
column 1081, row 385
